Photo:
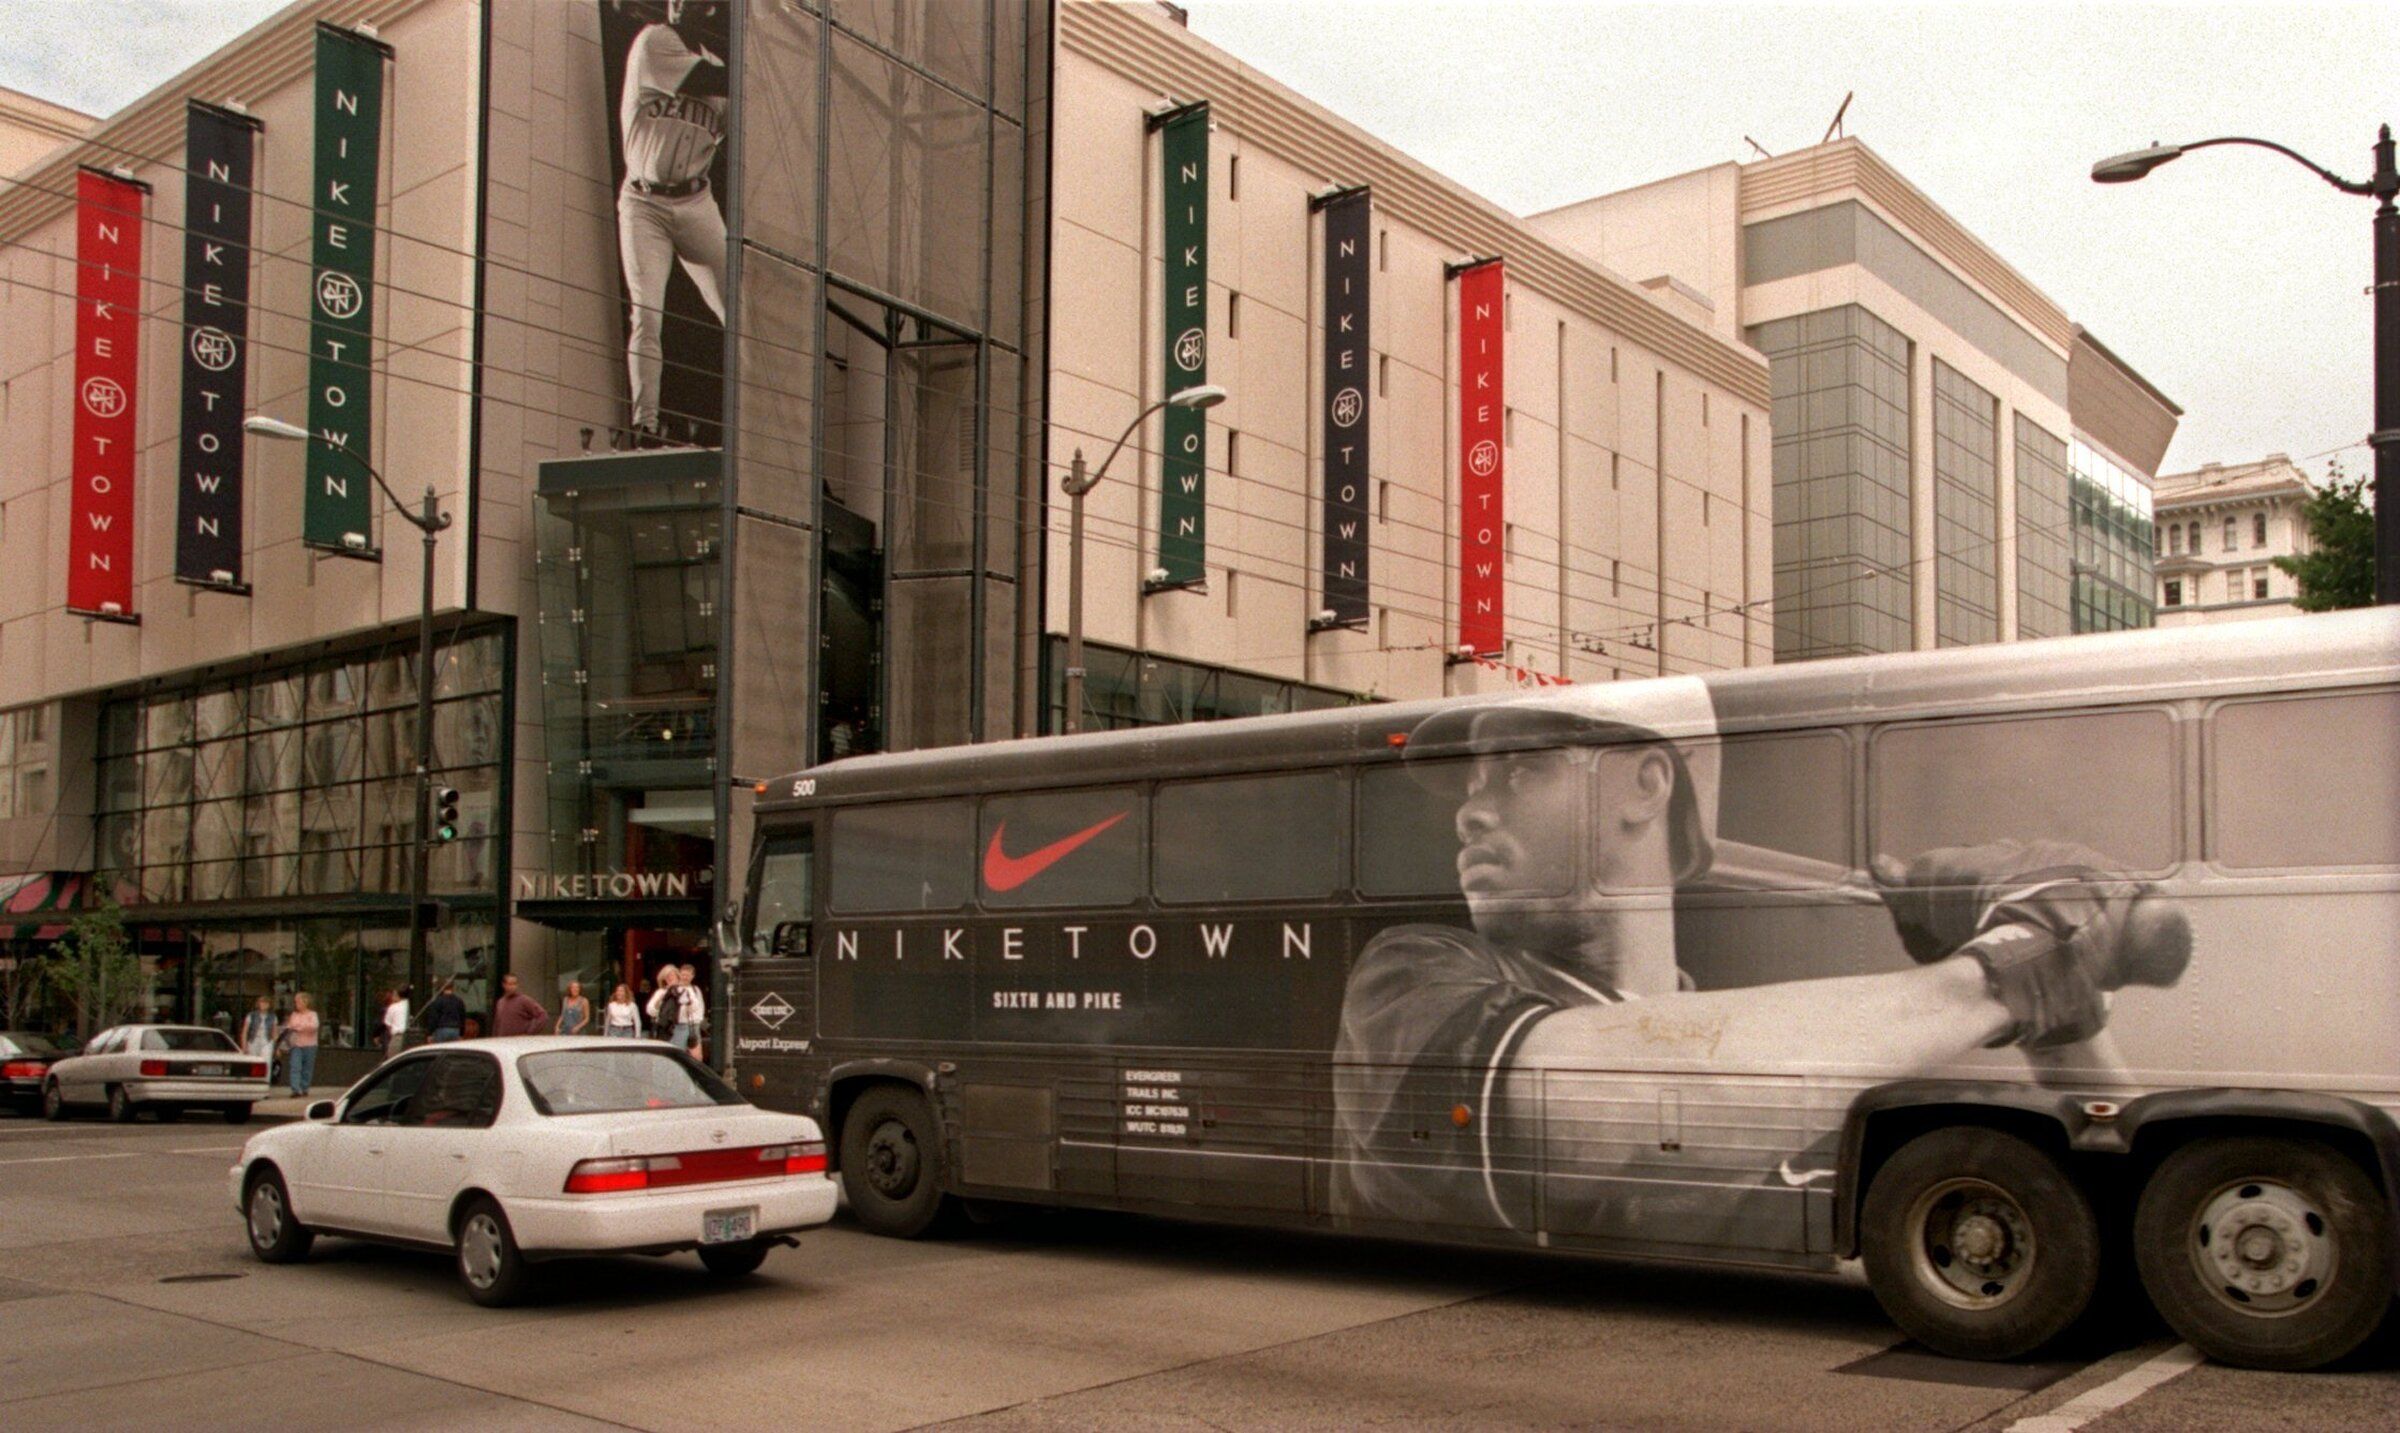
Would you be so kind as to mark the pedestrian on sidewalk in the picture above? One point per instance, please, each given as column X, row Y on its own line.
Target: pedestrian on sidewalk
column 258, row 1031
column 623, row 1018
column 446, row 1014
column 663, row 1005
column 300, row 1039
column 574, row 1012
column 694, row 1014
column 395, row 1021
column 516, row 1013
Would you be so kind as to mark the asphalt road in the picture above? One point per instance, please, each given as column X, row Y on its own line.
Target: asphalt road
column 127, row 1296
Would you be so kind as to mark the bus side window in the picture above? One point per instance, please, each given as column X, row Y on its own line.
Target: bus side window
column 1785, row 793
column 2309, row 781
column 916, row 856
column 1062, row 848
column 1254, row 838
column 781, row 910
column 1408, row 828
column 2106, row 780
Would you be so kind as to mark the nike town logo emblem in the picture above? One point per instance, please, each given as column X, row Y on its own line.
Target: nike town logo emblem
column 1004, row 872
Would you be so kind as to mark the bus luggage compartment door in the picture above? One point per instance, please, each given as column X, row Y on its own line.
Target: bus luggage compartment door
column 1683, row 1158
column 774, row 1029
column 1225, row 1139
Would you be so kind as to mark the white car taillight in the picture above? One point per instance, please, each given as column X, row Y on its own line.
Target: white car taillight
column 612, row 1176
column 804, row 1158
column 699, row 1166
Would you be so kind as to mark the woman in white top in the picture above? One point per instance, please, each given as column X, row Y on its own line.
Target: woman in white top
column 623, row 1018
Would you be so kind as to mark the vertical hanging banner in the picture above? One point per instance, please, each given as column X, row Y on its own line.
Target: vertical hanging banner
column 1481, row 448
column 1344, row 568
column 108, row 297
column 219, row 149
column 1183, row 470
column 338, row 513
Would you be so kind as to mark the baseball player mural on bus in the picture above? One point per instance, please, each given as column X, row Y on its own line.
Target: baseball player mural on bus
column 666, row 73
column 1555, row 1025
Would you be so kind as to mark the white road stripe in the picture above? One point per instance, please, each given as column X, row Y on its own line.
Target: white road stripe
column 2116, row 1393
column 206, row 1149
column 69, row 1158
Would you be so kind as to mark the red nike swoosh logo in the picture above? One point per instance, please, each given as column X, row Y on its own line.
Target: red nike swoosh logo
column 1004, row 872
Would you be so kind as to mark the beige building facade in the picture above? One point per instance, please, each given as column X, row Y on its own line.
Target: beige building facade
column 2222, row 525
column 1636, row 538
column 1930, row 400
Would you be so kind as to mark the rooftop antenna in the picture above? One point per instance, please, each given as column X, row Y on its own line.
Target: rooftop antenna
column 1763, row 151
column 1834, row 130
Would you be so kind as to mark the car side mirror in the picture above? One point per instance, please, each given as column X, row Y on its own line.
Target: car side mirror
column 321, row 1111
column 791, row 938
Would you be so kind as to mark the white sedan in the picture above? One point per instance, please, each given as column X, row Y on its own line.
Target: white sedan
column 506, row 1152
column 161, row 1068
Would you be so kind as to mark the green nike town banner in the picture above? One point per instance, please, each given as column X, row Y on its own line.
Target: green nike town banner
column 1183, row 472
column 341, row 330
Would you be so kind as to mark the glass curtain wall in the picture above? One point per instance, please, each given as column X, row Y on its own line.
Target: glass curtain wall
column 1124, row 688
column 2116, row 542
column 2043, row 538
column 1966, row 511
column 1841, row 414
column 264, row 824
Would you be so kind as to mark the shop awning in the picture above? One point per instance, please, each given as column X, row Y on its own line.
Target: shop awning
column 39, row 903
column 648, row 914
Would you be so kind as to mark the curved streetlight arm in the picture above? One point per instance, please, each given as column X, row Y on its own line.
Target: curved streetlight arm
column 2347, row 186
column 1119, row 446
column 276, row 428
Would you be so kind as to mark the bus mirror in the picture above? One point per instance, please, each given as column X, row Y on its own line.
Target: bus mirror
column 729, row 927
column 791, row 938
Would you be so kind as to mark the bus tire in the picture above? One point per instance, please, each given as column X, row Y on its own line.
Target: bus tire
column 892, row 1164
column 1978, row 1244
column 2265, row 1252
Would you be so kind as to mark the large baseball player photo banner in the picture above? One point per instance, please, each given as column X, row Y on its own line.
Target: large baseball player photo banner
column 1183, row 471
column 219, row 148
column 108, row 316
column 1481, row 448
column 338, row 511
column 664, row 68
column 1347, row 273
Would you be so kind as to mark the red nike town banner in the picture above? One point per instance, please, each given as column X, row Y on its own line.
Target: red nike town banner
column 1481, row 445
column 108, row 282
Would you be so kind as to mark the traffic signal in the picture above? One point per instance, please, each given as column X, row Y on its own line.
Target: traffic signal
column 445, row 814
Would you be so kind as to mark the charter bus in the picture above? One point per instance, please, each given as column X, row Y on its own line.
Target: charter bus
column 1999, row 968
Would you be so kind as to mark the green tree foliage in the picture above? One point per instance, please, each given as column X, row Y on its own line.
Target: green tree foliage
column 2338, row 570
column 21, row 980
column 96, row 969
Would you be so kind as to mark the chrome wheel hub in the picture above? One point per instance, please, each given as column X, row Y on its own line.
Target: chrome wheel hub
column 266, row 1215
column 1974, row 1244
column 2263, row 1248
column 479, row 1246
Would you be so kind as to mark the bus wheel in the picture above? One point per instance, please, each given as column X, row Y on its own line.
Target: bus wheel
column 1978, row 1244
column 2267, row 1253
column 891, row 1163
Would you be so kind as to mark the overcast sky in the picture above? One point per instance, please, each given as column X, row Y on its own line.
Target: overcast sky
column 2232, row 279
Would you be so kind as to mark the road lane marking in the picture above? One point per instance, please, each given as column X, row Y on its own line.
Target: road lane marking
column 206, row 1149
column 2114, row 1394
column 69, row 1158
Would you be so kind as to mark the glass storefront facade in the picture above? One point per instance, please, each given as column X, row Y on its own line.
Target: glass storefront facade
column 258, row 828
column 2044, row 541
column 2116, row 543
column 1841, row 424
column 1124, row 688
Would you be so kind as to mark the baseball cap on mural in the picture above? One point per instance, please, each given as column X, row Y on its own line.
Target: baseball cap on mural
column 1674, row 713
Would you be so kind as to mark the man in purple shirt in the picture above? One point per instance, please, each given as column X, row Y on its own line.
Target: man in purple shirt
column 516, row 1013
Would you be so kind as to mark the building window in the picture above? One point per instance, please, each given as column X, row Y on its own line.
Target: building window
column 2258, row 529
column 1383, row 375
column 2174, row 539
column 1383, row 251
column 2174, row 597
column 2258, row 581
column 1233, row 178
column 2233, row 534
column 1233, row 315
column 2191, row 532
column 1233, row 453
column 1508, row 427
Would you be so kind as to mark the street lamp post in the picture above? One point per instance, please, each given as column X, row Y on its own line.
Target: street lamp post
column 428, row 521
column 1077, row 483
column 2382, row 186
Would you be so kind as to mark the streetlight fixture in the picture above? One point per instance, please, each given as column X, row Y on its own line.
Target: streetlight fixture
column 2382, row 186
column 1079, row 482
column 428, row 521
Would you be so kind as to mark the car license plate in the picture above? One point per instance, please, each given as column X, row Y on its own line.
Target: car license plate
column 207, row 1070
column 728, row 1226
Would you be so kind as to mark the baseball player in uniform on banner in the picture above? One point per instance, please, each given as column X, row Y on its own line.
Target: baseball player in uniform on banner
column 671, row 118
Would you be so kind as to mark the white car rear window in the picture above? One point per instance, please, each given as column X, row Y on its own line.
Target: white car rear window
column 591, row 1082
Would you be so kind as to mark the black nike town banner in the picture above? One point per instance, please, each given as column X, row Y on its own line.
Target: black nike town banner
column 1344, row 393
column 1183, row 470
column 219, row 147
column 339, row 508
